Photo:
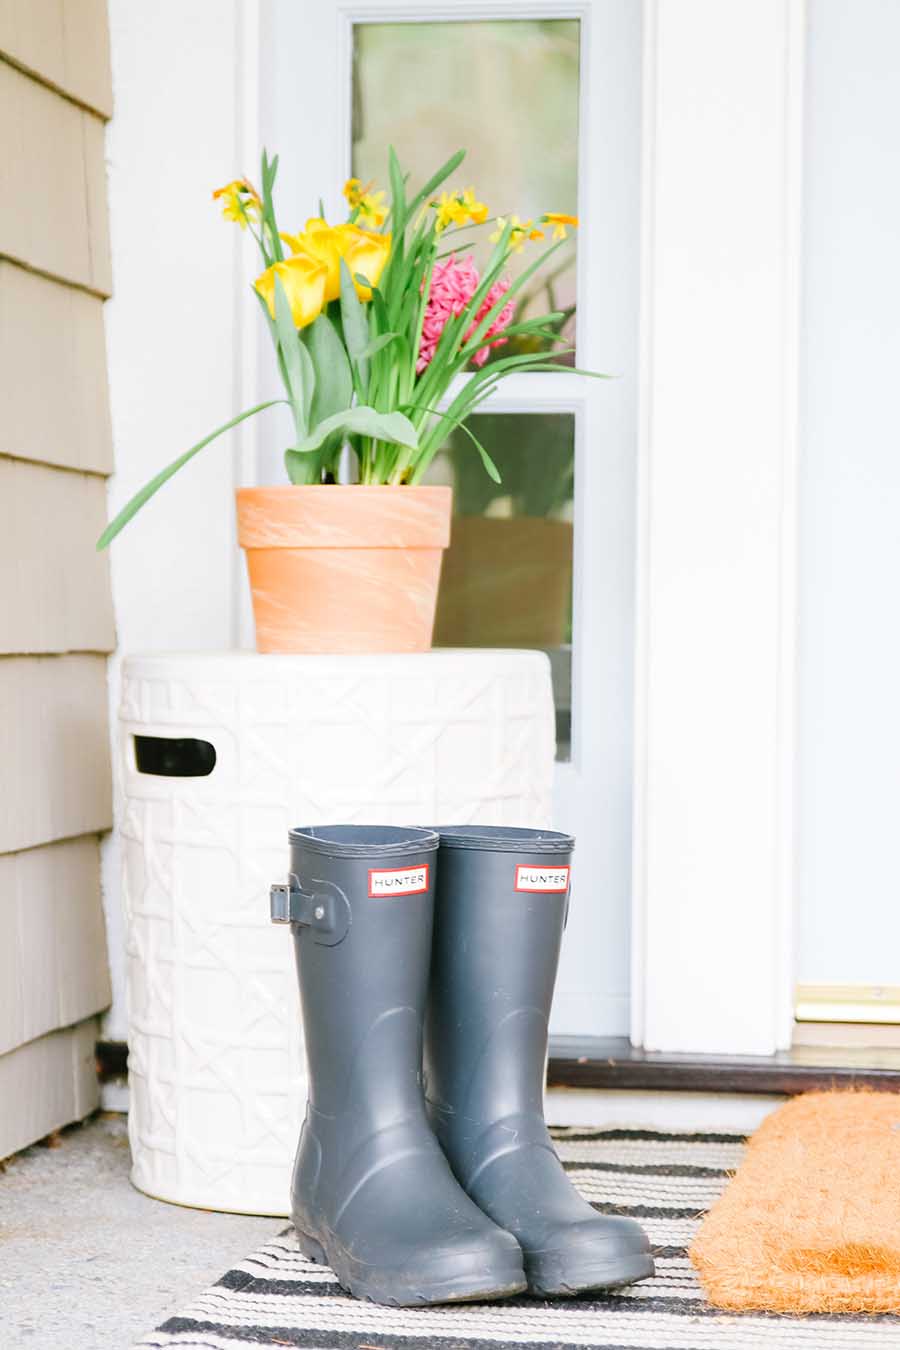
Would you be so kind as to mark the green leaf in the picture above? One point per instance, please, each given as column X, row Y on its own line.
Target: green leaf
column 301, row 377
column 490, row 466
column 269, row 170
column 436, row 179
column 380, row 309
column 381, row 341
column 333, row 380
column 356, row 327
column 302, row 469
column 391, row 427
column 471, row 344
column 148, row 490
column 398, row 195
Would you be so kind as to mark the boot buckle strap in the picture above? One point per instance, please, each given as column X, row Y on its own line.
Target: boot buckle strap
column 326, row 911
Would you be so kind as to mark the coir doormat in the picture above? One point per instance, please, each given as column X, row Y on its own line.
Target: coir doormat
column 665, row 1180
column 811, row 1221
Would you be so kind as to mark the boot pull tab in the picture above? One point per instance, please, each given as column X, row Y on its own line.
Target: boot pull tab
column 326, row 911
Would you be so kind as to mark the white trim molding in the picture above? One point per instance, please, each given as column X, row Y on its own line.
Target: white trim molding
column 715, row 666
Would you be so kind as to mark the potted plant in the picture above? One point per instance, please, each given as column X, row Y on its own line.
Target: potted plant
column 371, row 320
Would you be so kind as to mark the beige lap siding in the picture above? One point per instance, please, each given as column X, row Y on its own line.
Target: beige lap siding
column 55, row 583
column 53, row 970
column 52, row 184
column 64, row 43
column 46, row 1084
column 56, row 621
column 54, row 402
column 54, row 752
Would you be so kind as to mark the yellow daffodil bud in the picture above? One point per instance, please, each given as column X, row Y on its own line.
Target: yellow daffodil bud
column 521, row 230
column 559, row 221
column 303, row 279
column 239, row 202
column 458, row 208
column 370, row 206
column 473, row 209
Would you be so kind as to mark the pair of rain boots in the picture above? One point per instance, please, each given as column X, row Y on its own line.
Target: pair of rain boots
column 453, row 1192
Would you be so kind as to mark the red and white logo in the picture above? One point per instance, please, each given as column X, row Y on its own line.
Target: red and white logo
column 547, row 880
column 385, row 882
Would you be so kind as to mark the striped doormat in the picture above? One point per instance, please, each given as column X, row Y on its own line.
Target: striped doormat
column 666, row 1180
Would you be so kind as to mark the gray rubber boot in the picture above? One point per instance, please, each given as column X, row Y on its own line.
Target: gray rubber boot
column 372, row 1193
column 500, row 910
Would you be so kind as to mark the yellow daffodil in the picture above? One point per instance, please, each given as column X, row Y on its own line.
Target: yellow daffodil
column 459, row 208
column 239, row 202
column 446, row 211
column 303, row 279
column 370, row 206
column 471, row 207
column 364, row 251
column 559, row 221
column 521, row 230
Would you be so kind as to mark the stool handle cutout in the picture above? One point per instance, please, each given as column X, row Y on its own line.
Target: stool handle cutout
column 174, row 756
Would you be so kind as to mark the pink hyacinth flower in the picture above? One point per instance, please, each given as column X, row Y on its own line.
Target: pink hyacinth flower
column 453, row 283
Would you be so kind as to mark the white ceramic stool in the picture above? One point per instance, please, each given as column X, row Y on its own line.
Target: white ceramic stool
column 215, row 1045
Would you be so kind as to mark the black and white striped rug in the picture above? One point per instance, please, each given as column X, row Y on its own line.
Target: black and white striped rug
column 666, row 1180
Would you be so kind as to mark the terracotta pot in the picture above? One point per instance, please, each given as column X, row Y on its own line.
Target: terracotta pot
column 506, row 583
column 344, row 568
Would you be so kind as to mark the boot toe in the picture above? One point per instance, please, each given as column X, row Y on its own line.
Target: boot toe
column 469, row 1267
column 600, row 1253
column 472, row 1266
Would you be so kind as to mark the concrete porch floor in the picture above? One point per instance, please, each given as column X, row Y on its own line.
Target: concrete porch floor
column 89, row 1263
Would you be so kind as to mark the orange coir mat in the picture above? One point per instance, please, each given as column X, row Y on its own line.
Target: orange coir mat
column 810, row 1222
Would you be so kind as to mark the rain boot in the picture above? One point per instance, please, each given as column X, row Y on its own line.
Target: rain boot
column 372, row 1194
column 500, row 910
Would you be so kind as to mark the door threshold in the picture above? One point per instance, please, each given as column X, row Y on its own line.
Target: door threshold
column 613, row 1063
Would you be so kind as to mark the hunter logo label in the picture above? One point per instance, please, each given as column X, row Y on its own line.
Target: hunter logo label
column 552, row 880
column 385, row 881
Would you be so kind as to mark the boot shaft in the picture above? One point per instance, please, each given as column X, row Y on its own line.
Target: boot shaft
column 364, row 900
column 500, row 912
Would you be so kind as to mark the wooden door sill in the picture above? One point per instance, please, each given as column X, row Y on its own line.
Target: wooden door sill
column 613, row 1063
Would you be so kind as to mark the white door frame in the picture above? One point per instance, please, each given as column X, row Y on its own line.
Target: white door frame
column 715, row 683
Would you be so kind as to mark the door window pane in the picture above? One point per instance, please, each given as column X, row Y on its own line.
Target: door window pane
column 507, row 576
column 506, row 91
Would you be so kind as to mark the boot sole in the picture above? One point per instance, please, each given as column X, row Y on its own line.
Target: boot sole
column 403, row 1291
column 557, row 1277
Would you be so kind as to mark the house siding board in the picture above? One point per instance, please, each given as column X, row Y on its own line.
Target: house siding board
column 46, row 1084
column 54, row 752
column 56, row 617
column 53, row 967
column 55, row 585
column 52, row 183
column 63, row 43
column 52, row 338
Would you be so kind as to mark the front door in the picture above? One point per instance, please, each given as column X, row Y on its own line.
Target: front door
column 546, row 101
